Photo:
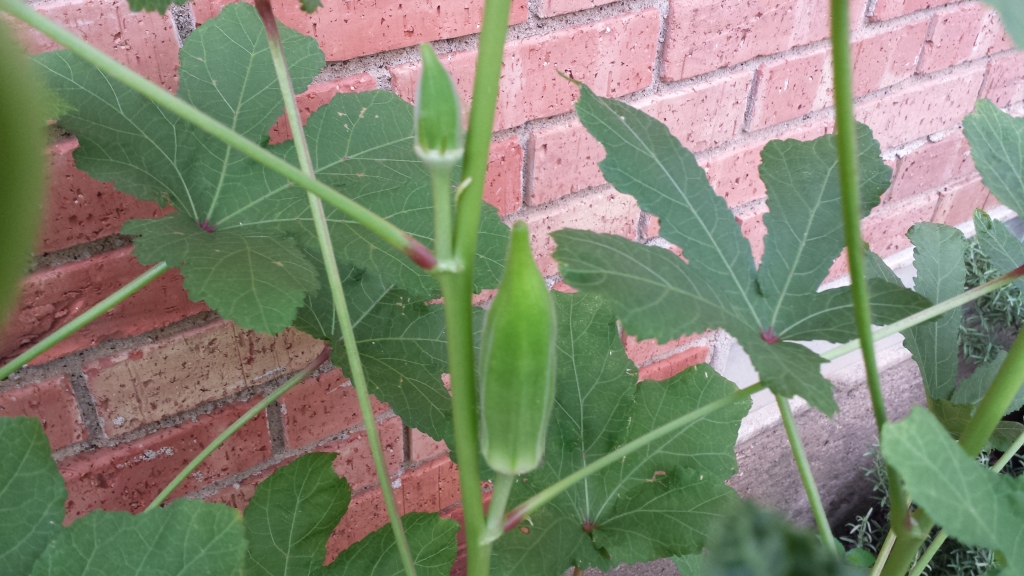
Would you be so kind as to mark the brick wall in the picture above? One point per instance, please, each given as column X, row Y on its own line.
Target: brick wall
column 128, row 401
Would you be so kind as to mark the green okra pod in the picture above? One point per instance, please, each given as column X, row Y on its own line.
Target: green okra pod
column 517, row 371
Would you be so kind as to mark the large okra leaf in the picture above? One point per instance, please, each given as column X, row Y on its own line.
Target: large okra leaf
column 293, row 513
column 973, row 504
column 658, row 295
column 997, row 148
column 939, row 262
column 187, row 538
column 361, row 144
column 32, row 494
column 657, row 502
column 1004, row 251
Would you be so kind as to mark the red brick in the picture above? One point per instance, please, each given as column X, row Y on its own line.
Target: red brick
column 705, row 35
column 886, row 9
column 733, row 172
column 322, row 406
column 957, row 205
column 128, row 476
column 237, row 495
column 790, row 88
column 52, row 297
column 144, row 41
column 961, row 33
column 932, row 165
column 355, row 461
column 135, row 387
column 884, row 58
column 607, row 212
column 922, row 109
column 643, row 351
column 316, row 96
column 349, row 29
column 504, row 186
column 676, row 364
column 430, row 487
column 1004, row 83
column 564, row 158
column 550, row 8
column 80, row 209
column 366, row 513
column 885, row 230
column 53, row 403
column 423, row 447
column 751, row 221
column 614, row 57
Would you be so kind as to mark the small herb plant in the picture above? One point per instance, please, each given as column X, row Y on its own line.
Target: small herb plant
column 355, row 228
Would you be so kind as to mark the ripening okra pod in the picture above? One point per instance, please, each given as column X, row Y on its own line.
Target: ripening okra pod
column 517, row 370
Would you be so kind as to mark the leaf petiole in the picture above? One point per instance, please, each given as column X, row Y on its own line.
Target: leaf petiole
column 86, row 318
column 323, row 235
column 237, row 425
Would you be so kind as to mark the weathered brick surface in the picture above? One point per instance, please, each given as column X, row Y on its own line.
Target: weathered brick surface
column 322, row 406
column 128, row 476
column 790, row 88
column 564, row 158
column 53, row 403
column 886, row 9
column 887, row 57
column 144, row 41
column 1004, row 83
column 608, row 212
column 355, row 461
column 80, row 209
column 932, row 165
column 675, row 364
column 885, row 230
column 135, row 387
column 751, row 221
column 614, row 57
column 957, row 204
column 316, row 96
column 52, row 297
column 925, row 108
column 643, row 351
column 423, row 447
column 349, row 29
column 705, row 35
column 961, row 33
column 550, row 8
column 504, row 186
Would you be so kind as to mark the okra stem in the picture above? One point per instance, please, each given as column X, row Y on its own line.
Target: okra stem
column 337, row 290
column 499, row 502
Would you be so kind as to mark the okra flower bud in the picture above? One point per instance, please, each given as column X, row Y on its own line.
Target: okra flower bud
column 439, row 139
column 517, row 371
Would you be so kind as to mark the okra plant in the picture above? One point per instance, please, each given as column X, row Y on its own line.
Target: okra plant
column 372, row 213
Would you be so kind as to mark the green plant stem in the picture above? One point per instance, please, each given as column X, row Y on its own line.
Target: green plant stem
column 973, row 439
column 532, row 504
column 237, row 425
column 942, row 536
column 85, row 318
column 883, row 554
column 387, row 231
column 929, row 313
column 441, row 185
column 996, row 401
column 337, row 290
column 846, row 138
column 499, row 502
column 804, row 467
column 457, row 287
